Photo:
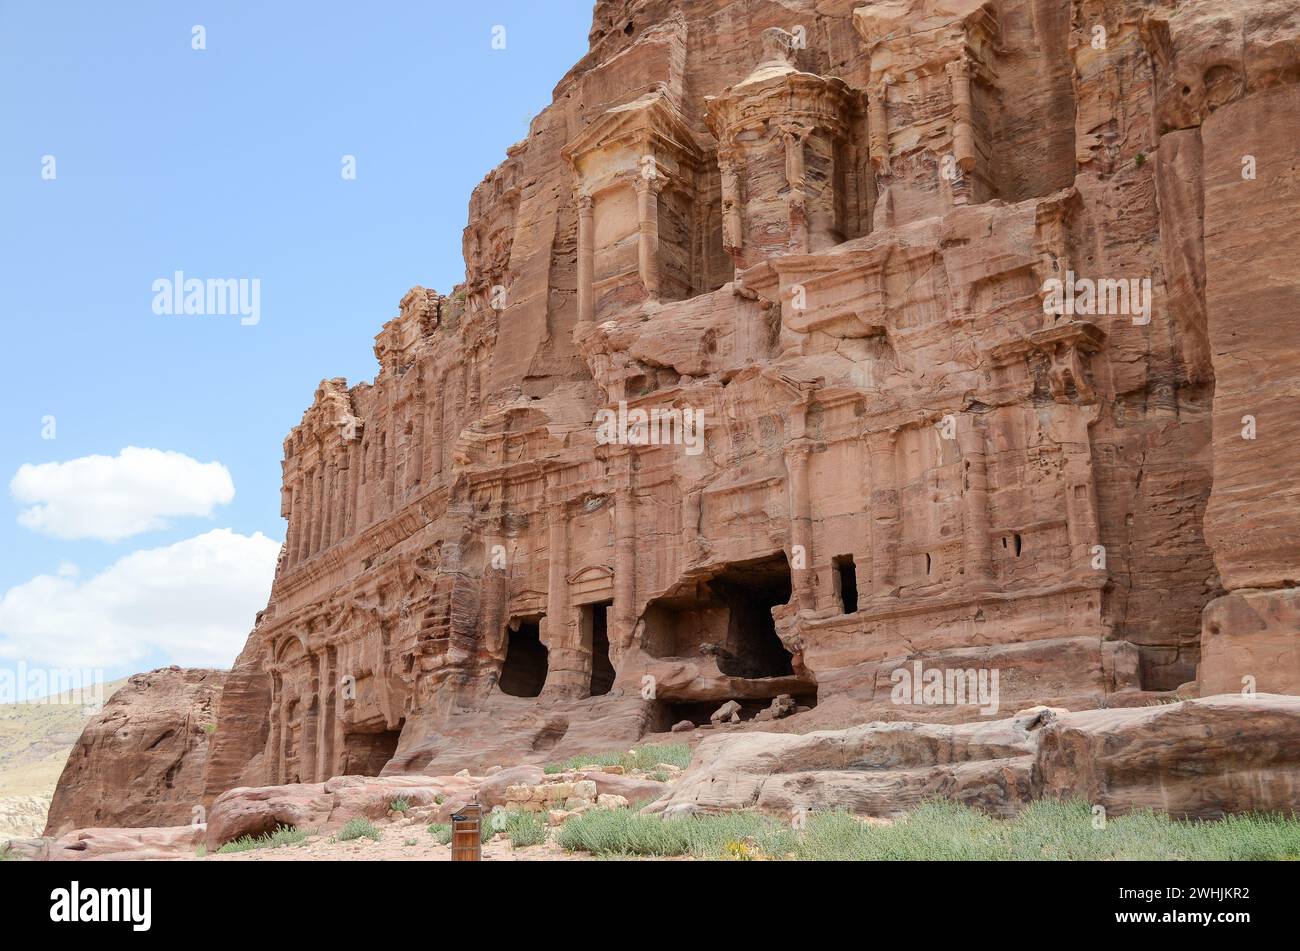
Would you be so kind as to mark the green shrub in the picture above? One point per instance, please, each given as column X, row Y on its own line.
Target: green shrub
column 624, row 832
column 525, row 828
column 441, row 833
column 357, row 829
column 400, row 804
column 283, row 835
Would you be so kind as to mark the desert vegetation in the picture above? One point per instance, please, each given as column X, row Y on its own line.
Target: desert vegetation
column 936, row 831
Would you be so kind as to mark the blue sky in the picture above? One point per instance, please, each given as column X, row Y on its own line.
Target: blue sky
column 223, row 162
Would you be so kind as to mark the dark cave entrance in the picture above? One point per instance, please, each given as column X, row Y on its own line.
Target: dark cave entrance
column 524, row 672
column 595, row 635
column 727, row 617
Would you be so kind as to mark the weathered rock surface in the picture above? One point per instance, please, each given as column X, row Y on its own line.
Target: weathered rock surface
column 114, row 845
column 325, row 806
column 1198, row 759
column 1194, row 759
column 791, row 402
column 140, row 761
column 877, row 769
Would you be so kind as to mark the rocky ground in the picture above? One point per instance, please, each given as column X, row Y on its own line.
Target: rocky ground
column 400, row 842
column 1028, row 786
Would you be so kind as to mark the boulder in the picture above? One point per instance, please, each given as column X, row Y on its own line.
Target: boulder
column 140, row 761
column 1197, row 759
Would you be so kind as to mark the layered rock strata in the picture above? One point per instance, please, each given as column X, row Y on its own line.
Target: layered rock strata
column 814, row 349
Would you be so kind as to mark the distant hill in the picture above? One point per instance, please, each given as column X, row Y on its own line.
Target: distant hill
column 35, row 739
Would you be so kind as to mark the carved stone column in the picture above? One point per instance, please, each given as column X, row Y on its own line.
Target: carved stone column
column 586, row 259
column 557, row 585
column 282, row 719
column 1080, row 485
column 963, row 128
column 293, row 535
column 313, row 531
column 329, row 496
column 796, row 179
column 308, row 759
column 732, row 229
column 624, row 564
column 885, row 515
column 354, row 485
column 878, row 131
column 801, row 545
column 415, row 452
column 569, row 668
column 275, row 743
column 648, row 187
column 975, row 504
column 963, row 133
column 435, row 442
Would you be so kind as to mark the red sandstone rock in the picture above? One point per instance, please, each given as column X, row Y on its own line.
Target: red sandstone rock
column 114, row 845
column 1199, row 759
column 831, row 232
column 831, row 228
column 324, row 806
column 878, row 769
column 1195, row 759
column 140, row 761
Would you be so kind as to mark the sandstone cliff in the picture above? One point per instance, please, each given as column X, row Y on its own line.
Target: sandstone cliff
column 801, row 344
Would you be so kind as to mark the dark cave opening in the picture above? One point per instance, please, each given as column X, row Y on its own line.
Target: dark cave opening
column 524, row 672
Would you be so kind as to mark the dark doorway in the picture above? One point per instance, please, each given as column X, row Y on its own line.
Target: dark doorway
column 524, row 672
column 595, row 628
column 727, row 617
column 750, row 590
column 846, row 581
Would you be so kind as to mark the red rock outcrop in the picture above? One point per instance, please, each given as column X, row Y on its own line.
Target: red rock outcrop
column 807, row 350
column 140, row 761
column 799, row 343
column 1199, row 759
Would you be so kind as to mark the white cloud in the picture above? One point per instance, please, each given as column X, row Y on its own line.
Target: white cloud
column 114, row 497
column 194, row 601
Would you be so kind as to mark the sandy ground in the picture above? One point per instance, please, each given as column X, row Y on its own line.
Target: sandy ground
column 393, row 847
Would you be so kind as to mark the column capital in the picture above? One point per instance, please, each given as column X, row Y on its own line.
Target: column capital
column 653, row 183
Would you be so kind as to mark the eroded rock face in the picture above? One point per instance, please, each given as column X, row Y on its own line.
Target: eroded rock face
column 325, row 806
column 140, row 761
column 1198, row 759
column 794, row 397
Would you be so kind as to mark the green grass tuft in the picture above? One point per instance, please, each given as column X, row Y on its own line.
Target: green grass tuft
column 643, row 758
column 282, row 836
column 358, row 829
column 400, row 804
column 441, row 833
